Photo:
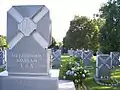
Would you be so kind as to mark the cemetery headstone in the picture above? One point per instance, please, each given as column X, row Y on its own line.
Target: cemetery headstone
column 71, row 52
column 2, row 57
column 103, row 71
column 56, row 59
column 28, row 61
column 98, row 52
column 87, row 56
column 115, row 58
column 103, row 65
column 78, row 53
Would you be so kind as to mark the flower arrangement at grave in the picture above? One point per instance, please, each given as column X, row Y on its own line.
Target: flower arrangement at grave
column 76, row 73
column 3, row 47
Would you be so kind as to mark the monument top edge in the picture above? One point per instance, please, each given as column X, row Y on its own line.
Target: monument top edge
column 25, row 6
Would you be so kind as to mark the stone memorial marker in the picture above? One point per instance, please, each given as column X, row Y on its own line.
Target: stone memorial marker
column 103, row 65
column 86, row 56
column 78, row 53
column 56, row 60
column 98, row 52
column 2, row 57
column 103, row 71
column 71, row 52
column 115, row 58
column 28, row 61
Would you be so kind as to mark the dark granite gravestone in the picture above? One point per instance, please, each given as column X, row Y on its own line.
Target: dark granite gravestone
column 115, row 58
column 28, row 61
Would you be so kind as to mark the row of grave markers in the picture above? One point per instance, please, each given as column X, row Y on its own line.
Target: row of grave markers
column 87, row 55
column 104, row 63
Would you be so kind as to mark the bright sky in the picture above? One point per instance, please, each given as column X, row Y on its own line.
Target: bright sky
column 61, row 12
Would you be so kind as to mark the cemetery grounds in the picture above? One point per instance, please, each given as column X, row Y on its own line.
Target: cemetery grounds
column 89, row 82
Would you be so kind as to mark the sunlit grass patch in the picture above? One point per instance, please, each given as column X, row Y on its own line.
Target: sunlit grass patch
column 100, row 88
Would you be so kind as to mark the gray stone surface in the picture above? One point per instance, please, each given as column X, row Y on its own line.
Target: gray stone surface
column 28, row 34
column 115, row 58
column 2, row 57
column 71, row 52
column 56, row 59
column 86, row 56
column 28, row 83
column 98, row 52
column 103, row 65
column 28, row 60
column 78, row 53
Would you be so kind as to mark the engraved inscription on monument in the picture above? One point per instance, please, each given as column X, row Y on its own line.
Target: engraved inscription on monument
column 27, row 60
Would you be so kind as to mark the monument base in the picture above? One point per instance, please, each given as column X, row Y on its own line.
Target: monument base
column 28, row 83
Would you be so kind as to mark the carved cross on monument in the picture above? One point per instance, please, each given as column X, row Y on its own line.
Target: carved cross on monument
column 103, row 65
column 27, row 26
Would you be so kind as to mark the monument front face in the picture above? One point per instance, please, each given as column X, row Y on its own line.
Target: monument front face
column 28, row 34
column 103, row 64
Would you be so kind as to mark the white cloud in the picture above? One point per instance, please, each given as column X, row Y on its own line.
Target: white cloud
column 61, row 11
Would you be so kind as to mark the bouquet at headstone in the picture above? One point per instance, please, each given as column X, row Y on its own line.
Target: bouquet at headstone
column 76, row 73
column 3, row 47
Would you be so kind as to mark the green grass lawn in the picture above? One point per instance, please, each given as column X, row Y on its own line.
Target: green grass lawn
column 90, row 83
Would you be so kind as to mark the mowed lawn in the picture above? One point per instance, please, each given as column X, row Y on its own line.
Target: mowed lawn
column 90, row 83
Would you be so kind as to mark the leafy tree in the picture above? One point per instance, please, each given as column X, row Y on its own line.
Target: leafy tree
column 77, row 30
column 93, row 44
column 110, row 32
column 53, row 43
column 3, row 43
column 60, row 44
column 83, row 33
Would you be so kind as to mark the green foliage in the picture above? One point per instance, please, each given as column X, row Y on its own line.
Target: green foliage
column 60, row 44
column 110, row 32
column 83, row 33
column 1, row 69
column 89, row 82
column 74, row 71
column 3, row 42
column 53, row 43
